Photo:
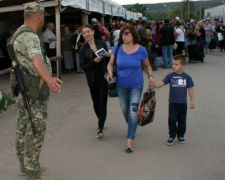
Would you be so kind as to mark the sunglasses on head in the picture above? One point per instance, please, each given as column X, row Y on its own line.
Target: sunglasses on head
column 125, row 33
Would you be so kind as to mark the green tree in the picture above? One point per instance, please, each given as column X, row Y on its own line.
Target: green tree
column 174, row 13
column 187, row 8
column 138, row 8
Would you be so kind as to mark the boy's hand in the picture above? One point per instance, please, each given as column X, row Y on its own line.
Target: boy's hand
column 152, row 86
column 192, row 105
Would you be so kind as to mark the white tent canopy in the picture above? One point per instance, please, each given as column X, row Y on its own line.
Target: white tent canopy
column 80, row 4
column 102, row 6
column 106, row 7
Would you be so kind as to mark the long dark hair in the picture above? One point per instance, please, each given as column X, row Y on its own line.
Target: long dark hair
column 133, row 31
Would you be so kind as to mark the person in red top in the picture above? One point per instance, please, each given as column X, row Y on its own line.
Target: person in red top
column 102, row 29
column 106, row 36
column 158, row 36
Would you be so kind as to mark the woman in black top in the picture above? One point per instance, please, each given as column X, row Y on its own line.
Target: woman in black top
column 200, row 38
column 94, row 68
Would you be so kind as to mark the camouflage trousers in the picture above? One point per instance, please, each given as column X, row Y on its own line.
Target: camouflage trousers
column 29, row 146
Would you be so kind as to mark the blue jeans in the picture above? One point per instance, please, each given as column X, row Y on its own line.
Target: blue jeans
column 215, row 37
column 129, row 103
column 177, row 119
column 167, row 55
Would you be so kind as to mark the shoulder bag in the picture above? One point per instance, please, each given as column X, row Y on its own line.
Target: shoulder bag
column 112, row 83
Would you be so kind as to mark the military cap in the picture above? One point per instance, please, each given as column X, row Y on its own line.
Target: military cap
column 34, row 7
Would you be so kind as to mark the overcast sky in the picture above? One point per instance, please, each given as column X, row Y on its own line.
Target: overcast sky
column 123, row 2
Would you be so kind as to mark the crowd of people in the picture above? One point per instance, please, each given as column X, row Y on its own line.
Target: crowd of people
column 161, row 38
column 164, row 38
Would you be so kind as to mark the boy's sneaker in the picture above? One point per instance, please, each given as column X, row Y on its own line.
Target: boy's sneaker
column 100, row 134
column 181, row 140
column 170, row 141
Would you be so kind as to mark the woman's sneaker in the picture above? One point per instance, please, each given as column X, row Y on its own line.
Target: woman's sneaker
column 181, row 140
column 100, row 134
column 170, row 141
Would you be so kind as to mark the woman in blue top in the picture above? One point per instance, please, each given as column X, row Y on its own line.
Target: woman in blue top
column 130, row 58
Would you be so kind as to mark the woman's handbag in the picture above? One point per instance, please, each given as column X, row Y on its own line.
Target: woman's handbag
column 112, row 83
column 147, row 108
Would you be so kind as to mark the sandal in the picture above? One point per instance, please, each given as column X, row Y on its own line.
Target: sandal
column 129, row 150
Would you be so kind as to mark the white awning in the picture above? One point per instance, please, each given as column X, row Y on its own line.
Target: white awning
column 107, row 7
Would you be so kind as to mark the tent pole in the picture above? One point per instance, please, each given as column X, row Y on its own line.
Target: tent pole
column 58, row 38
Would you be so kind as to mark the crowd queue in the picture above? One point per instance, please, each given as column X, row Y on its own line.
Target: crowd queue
column 164, row 39
column 133, row 46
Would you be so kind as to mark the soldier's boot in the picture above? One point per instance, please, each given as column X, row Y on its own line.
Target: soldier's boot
column 23, row 173
column 44, row 178
column 22, row 168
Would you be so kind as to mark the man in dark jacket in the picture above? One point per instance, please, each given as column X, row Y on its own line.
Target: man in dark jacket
column 167, row 42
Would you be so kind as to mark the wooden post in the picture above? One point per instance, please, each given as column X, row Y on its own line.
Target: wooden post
column 58, row 38
column 102, row 20
column 84, row 17
column 110, row 19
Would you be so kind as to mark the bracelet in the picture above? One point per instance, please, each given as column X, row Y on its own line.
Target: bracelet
column 149, row 75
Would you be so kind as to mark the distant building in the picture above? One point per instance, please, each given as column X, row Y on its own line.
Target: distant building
column 215, row 12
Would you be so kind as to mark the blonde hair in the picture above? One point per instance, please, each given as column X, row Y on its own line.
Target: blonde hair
column 201, row 24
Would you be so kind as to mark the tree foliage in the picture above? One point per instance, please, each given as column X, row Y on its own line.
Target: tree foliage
column 138, row 8
column 173, row 9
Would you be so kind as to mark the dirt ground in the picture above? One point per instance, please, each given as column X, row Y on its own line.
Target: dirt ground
column 71, row 150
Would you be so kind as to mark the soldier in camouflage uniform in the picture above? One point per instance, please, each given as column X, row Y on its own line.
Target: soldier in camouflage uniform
column 28, row 52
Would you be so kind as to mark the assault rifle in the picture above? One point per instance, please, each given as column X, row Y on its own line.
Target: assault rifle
column 20, row 83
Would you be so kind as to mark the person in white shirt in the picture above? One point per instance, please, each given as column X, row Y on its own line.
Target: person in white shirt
column 180, row 37
column 79, row 41
column 50, row 43
column 50, row 40
column 116, row 34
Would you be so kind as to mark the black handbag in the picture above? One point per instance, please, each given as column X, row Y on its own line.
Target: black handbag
column 112, row 83
column 147, row 108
